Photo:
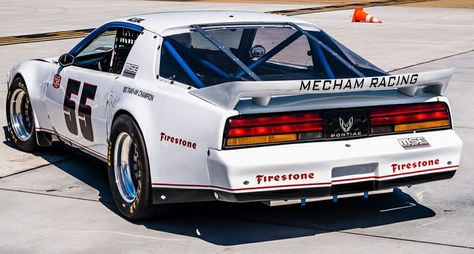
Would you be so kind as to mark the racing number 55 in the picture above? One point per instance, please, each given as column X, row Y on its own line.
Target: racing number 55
column 85, row 110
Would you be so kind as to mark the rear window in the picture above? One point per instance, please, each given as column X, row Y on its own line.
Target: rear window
column 296, row 54
column 206, row 57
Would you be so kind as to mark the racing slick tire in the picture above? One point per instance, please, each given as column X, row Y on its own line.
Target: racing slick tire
column 128, row 170
column 20, row 118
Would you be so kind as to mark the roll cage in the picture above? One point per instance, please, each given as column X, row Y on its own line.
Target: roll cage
column 354, row 65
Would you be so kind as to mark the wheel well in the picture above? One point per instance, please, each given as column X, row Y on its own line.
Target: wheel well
column 123, row 112
column 17, row 75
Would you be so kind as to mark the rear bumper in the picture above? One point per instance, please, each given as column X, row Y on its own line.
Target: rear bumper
column 180, row 195
column 345, row 188
column 320, row 169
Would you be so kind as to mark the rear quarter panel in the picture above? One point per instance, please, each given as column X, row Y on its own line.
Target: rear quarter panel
column 169, row 110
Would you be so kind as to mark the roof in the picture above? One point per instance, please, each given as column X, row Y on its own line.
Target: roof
column 162, row 21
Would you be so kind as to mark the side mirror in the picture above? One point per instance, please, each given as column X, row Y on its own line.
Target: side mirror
column 66, row 59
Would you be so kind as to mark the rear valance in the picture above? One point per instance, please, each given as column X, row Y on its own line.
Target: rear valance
column 227, row 95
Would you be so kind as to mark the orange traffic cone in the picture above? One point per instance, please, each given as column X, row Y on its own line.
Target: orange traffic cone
column 361, row 16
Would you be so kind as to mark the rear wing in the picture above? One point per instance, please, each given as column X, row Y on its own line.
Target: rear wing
column 228, row 95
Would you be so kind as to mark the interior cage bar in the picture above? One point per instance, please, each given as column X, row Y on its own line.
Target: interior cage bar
column 272, row 52
column 324, row 46
column 226, row 51
column 189, row 72
column 205, row 63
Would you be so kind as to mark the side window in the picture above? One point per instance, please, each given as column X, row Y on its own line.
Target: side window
column 102, row 43
column 108, row 51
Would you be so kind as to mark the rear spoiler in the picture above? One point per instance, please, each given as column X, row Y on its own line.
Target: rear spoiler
column 227, row 95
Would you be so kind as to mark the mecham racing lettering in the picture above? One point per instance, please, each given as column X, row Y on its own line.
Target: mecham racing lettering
column 359, row 83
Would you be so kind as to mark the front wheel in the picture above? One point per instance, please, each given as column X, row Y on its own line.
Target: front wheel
column 21, row 126
column 128, row 170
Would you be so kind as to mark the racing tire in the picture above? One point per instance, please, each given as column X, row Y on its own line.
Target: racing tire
column 20, row 118
column 128, row 170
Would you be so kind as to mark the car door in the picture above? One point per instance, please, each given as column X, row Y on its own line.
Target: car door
column 77, row 99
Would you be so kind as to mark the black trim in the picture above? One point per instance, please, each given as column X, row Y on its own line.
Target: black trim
column 74, row 144
column 175, row 195
column 179, row 195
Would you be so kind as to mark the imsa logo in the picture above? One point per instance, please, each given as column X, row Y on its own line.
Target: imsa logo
column 416, row 142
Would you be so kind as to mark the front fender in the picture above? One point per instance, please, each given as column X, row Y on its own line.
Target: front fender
column 36, row 74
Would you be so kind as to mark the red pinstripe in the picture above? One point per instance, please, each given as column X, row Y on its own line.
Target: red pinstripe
column 299, row 185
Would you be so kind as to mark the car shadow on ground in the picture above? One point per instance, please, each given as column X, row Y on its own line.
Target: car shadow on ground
column 75, row 163
column 228, row 224
column 50, row 154
column 232, row 224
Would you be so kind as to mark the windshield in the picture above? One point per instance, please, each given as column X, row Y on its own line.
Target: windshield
column 210, row 56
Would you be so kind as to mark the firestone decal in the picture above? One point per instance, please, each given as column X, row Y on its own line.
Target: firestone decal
column 359, row 83
column 413, row 165
column 177, row 141
column 282, row 178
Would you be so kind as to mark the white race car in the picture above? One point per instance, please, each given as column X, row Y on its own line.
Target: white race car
column 233, row 106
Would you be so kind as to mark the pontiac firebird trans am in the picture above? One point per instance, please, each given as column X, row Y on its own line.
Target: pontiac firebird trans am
column 233, row 106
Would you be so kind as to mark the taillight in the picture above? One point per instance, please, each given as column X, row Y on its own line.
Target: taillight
column 402, row 118
column 334, row 124
column 253, row 130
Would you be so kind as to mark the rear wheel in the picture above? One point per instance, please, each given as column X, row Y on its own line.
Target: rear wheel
column 21, row 126
column 128, row 170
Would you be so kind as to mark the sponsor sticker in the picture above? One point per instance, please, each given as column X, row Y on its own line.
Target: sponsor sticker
column 411, row 143
column 130, row 70
column 414, row 165
column 138, row 92
column 284, row 177
column 135, row 20
column 56, row 81
column 177, row 141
